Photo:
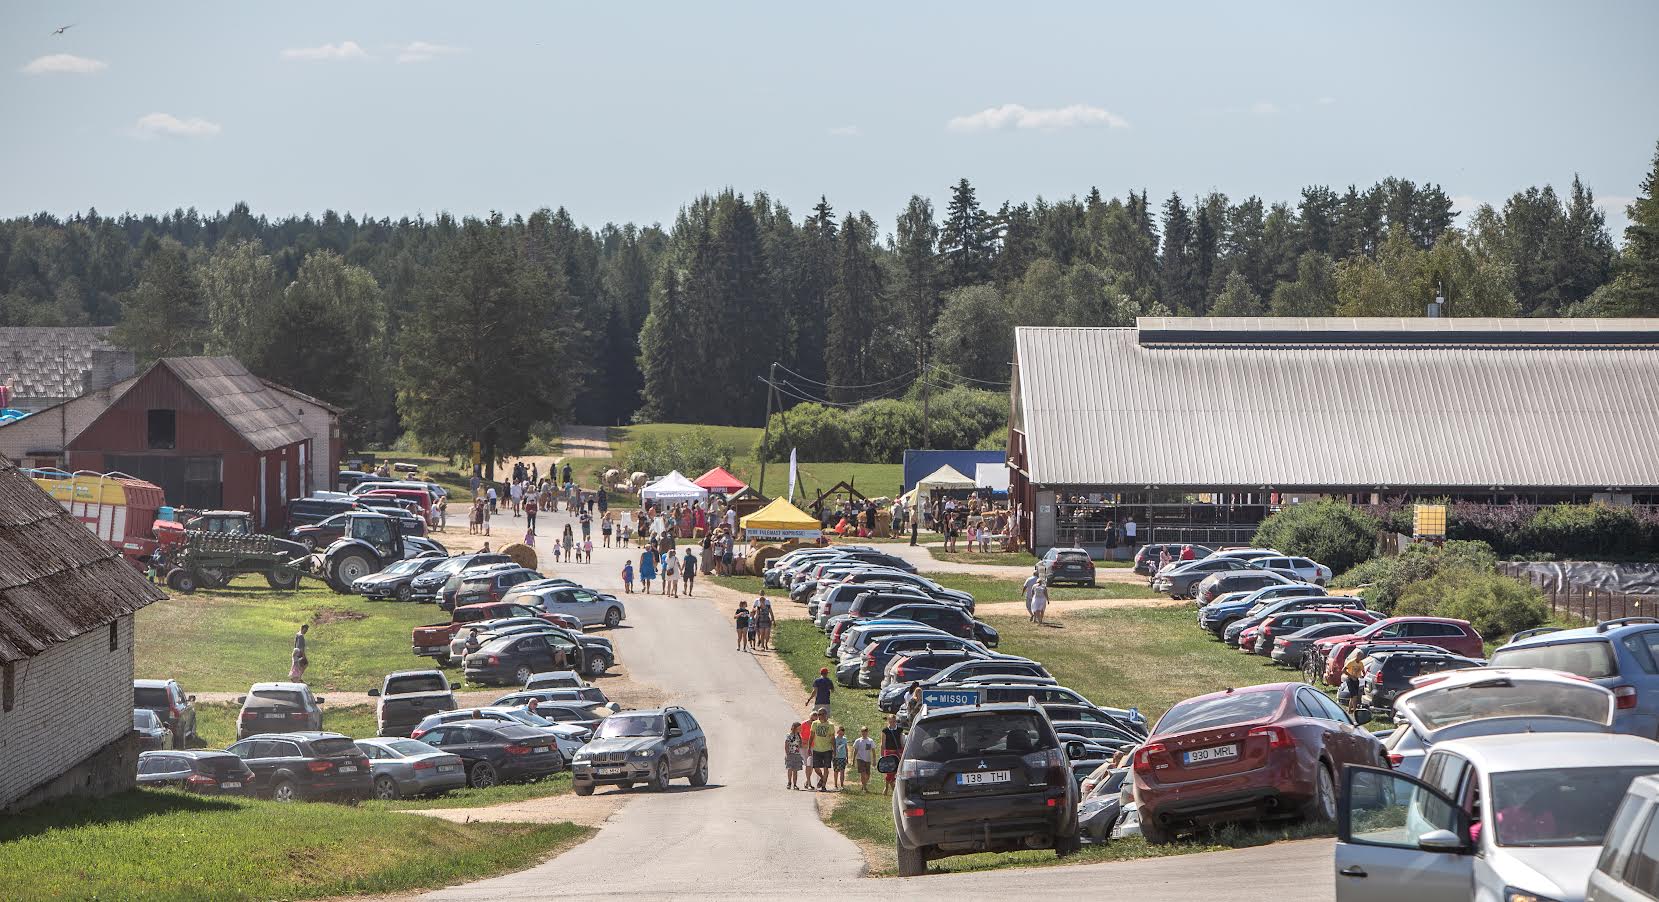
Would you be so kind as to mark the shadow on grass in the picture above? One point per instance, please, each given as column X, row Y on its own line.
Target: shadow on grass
column 67, row 814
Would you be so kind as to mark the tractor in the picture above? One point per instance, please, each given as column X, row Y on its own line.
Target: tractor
column 371, row 541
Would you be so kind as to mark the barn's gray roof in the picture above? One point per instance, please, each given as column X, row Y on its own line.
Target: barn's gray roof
column 57, row 579
column 1309, row 403
column 47, row 361
column 252, row 409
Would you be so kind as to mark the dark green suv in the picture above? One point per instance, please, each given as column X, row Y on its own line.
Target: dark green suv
column 650, row 747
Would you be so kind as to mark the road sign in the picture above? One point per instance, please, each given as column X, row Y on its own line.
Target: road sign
column 949, row 698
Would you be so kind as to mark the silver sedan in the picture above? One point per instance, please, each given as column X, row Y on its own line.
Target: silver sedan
column 409, row 767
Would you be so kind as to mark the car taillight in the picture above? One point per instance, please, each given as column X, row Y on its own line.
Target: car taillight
column 492, row 660
column 915, row 811
column 870, row 659
column 200, row 780
column 898, row 672
column 1280, row 643
column 248, row 715
column 1277, row 737
column 318, row 767
column 1150, row 757
column 1395, row 759
column 1379, row 678
column 416, row 734
column 297, row 715
column 518, row 750
column 1624, row 697
column 424, row 765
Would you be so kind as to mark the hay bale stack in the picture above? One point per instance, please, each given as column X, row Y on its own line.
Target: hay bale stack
column 522, row 555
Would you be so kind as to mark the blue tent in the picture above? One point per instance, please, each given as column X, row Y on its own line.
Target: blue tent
column 918, row 465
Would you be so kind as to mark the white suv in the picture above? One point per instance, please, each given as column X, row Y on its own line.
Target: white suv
column 1628, row 870
column 1505, row 818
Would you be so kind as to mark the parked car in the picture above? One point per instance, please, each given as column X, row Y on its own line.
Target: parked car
column 1229, row 607
column 1179, row 579
column 916, row 665
column 588, row 607
column 486, row 584
column 176, row 710
column 278, row 708
column 1444, row 632
column 946, row 617
column 581, row 695
column 428, row 585
column 1289, row 650
column 569, row 737
column 1246, row 580
column 991, row 778
column 848, row 600
column 433, row 639
column 1147, row 557
column 306, row 764
column 1388, row 674
column 1069, row 565
column 916, row 580
column 512, row 660
column 503, row 626
column 1275, row 626
column 152, row 733
column 873, row 661
column 207, row 771
column 408, row 767
column 1628, row 868
column 1352, row 608
column 1622, row 655
column 407, row 697
column 1493, row 701
column 1301, row 568
column 322, row 533
column 1337, row 666
column 1502, row 818
column 497, row 752
column 893, row 696
column 598, row 654
column 1102, row 800
column 397, row 580
column 303, row 512
column 650, row 747
column 1250, row 753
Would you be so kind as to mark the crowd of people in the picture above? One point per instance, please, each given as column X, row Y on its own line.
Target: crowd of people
column 818, row 747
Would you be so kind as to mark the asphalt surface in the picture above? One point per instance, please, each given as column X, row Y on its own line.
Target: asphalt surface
column 745, row 835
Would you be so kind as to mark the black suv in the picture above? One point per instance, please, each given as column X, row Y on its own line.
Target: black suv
column 1388, row 675
column 309, row 765
column 207, row 771
column 650, row 747
column 176, row 710
column 428, row 585
column 992, row 778
column 494, row 751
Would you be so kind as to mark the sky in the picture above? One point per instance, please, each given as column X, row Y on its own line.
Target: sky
column 626, row 111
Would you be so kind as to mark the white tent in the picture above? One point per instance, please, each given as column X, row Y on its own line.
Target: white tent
column 991, row 476
column 673, row 487
column 946, row 477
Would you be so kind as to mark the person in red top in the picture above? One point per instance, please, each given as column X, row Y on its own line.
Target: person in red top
column 530, row 511
column 1187, row 553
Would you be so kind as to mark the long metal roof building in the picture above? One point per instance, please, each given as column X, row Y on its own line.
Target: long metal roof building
column 1265, row 403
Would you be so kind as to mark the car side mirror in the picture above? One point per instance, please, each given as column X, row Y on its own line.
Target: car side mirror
column 1362, row 716
column 373, row 693
column 320, row 700
column 675, row 731
column 1075, row 750
column 190, row 698
column 241, row 699
column 454, row 686
column 1441, row 841
column 887, row 764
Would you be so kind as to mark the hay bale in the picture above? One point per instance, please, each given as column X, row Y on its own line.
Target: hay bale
column 762, row 556
column 522, row 555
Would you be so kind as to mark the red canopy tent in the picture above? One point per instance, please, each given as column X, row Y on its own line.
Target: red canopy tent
column 718, row 480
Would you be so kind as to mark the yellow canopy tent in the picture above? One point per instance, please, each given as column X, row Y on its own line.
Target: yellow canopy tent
column 781, row 520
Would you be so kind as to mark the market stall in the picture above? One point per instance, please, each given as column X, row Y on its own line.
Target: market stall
column 672, row 488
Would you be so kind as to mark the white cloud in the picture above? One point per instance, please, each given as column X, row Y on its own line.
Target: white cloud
column 1263, row 108
column 846, row 131
column 169, row 124
column 64, row 64
column 1013, row 115
column 345, row 50
column 422, row 51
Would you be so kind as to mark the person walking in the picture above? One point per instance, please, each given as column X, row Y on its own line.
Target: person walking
column 819, row 697
column 792, row 755
column 863, row 753
column 493, row 497
column 840, row 758
column 806, row 752
column 647, row 569
column 741, row 619
column 1030, row 583
column 1039, row 602
column 628, row 577
column 298, row 660
column 763, row 621
column 569, row 543
column 688, row 570
column 823, row 747
column 605, row 525
column 587, row 551
column 530, row 508
column 670, row 575
column 892, row 743
column 586, row 519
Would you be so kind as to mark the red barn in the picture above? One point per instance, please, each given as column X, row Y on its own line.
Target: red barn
column 207, row 431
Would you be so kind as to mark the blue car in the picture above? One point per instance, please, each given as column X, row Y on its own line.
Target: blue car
column 1221, row 613
column 1622, row 655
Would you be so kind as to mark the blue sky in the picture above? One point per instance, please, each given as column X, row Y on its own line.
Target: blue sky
column 624, row 111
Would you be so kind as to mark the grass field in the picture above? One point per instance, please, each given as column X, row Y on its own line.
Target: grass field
column 234, row 637
column 163, row 845
column 1149, row 658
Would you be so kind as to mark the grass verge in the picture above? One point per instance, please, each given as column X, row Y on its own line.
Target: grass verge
column 163, row 845
column 556, row 785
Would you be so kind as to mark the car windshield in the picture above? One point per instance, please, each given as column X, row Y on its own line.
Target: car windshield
column 144, row 719
column 1504, row 697
column 410, row 747
column 993, row 733
column 421, row 682
column 285, row 696
column 402, row 567
column 528, row 719
column 337, row 745
column 623, row 725
column 150, row 697
column 1239, row 707
column 1592, row 659
column 1568, row 806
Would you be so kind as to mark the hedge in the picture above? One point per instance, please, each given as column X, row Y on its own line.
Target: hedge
column 879, row 431
column 1335, row 534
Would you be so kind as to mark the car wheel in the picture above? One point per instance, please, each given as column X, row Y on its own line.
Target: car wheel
column 660, row 778
column 310, row 544
column 283, row 791
column 700, row 776
column 523, row 674
column 405, row 593
column 598, row 664
column 1154, row 833
column 482, row 776
column 1321, row 809
column 583, row 789
column 612, row 618
column 1067, row 845
column 912, row 862
column 385, row 788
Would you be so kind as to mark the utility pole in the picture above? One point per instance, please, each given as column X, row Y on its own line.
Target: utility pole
column 926, row 439
column 766, row 436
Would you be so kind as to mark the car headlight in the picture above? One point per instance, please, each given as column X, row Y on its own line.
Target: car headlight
column 645, row 753
column 1511, row 894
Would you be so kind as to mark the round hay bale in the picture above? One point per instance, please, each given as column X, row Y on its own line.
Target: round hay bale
column 762, row 556
column 522, row 555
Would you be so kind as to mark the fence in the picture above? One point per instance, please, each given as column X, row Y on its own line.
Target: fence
column 1212, row 536
column 1586, row 603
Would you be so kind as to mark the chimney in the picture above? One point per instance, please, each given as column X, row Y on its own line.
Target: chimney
column 1439, row 301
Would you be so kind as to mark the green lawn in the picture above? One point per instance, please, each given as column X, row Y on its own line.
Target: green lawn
column 1148, row 658
column 163, row 845
column 556, row 785
column 234, row 637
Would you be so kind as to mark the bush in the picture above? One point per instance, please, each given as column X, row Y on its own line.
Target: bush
column 996, row 441
column 879, row 431
column 1335, row 534
column 1389, row 578
column 692, row 453
column 1587, row 531
column 1495, row 605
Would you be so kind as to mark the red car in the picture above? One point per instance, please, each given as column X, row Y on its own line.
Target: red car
column 1455, row 636
column 1285, row 624
column 1247, row 754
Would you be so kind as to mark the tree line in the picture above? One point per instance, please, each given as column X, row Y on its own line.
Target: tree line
column 488, row 329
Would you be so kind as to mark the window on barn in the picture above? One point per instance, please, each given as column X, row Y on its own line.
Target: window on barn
column 8, row 693
column 163, row 430
column 115, row 635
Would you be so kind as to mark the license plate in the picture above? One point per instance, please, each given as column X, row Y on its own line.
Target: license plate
column 448, row 768
column 274, row 716
column 349, row 769
column 1216, row 753
column 608, row 771
column 540, row 750
column 980, row 778
column 235, row 784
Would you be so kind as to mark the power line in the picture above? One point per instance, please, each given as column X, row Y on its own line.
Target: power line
column 829, row 386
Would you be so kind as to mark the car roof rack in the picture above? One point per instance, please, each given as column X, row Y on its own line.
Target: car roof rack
column 1606, row 625
column 1535, row 631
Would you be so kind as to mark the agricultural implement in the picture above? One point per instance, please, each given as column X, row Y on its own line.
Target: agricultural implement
column 212, row 559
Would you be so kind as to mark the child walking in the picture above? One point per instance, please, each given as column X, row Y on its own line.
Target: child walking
column 628, row 577
column 840, row 757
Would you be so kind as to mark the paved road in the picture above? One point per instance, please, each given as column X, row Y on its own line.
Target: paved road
column 744, row 836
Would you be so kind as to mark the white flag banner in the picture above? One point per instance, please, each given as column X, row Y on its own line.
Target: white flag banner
column 792, row 473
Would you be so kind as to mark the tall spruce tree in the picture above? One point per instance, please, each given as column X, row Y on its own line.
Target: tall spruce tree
column 1177, row 260
column 967, row 244
column 916, row 248
column 854, row 301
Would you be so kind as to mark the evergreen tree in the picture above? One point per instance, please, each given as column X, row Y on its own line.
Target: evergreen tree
column 918, row 285
column 1320, row 209
column 1177, row 262
column 854, row 301
column 1020, row 246
column 1634, row 291
column 1206, row 254
column 163, row 315
column 1312, row 293
column 966, row 241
